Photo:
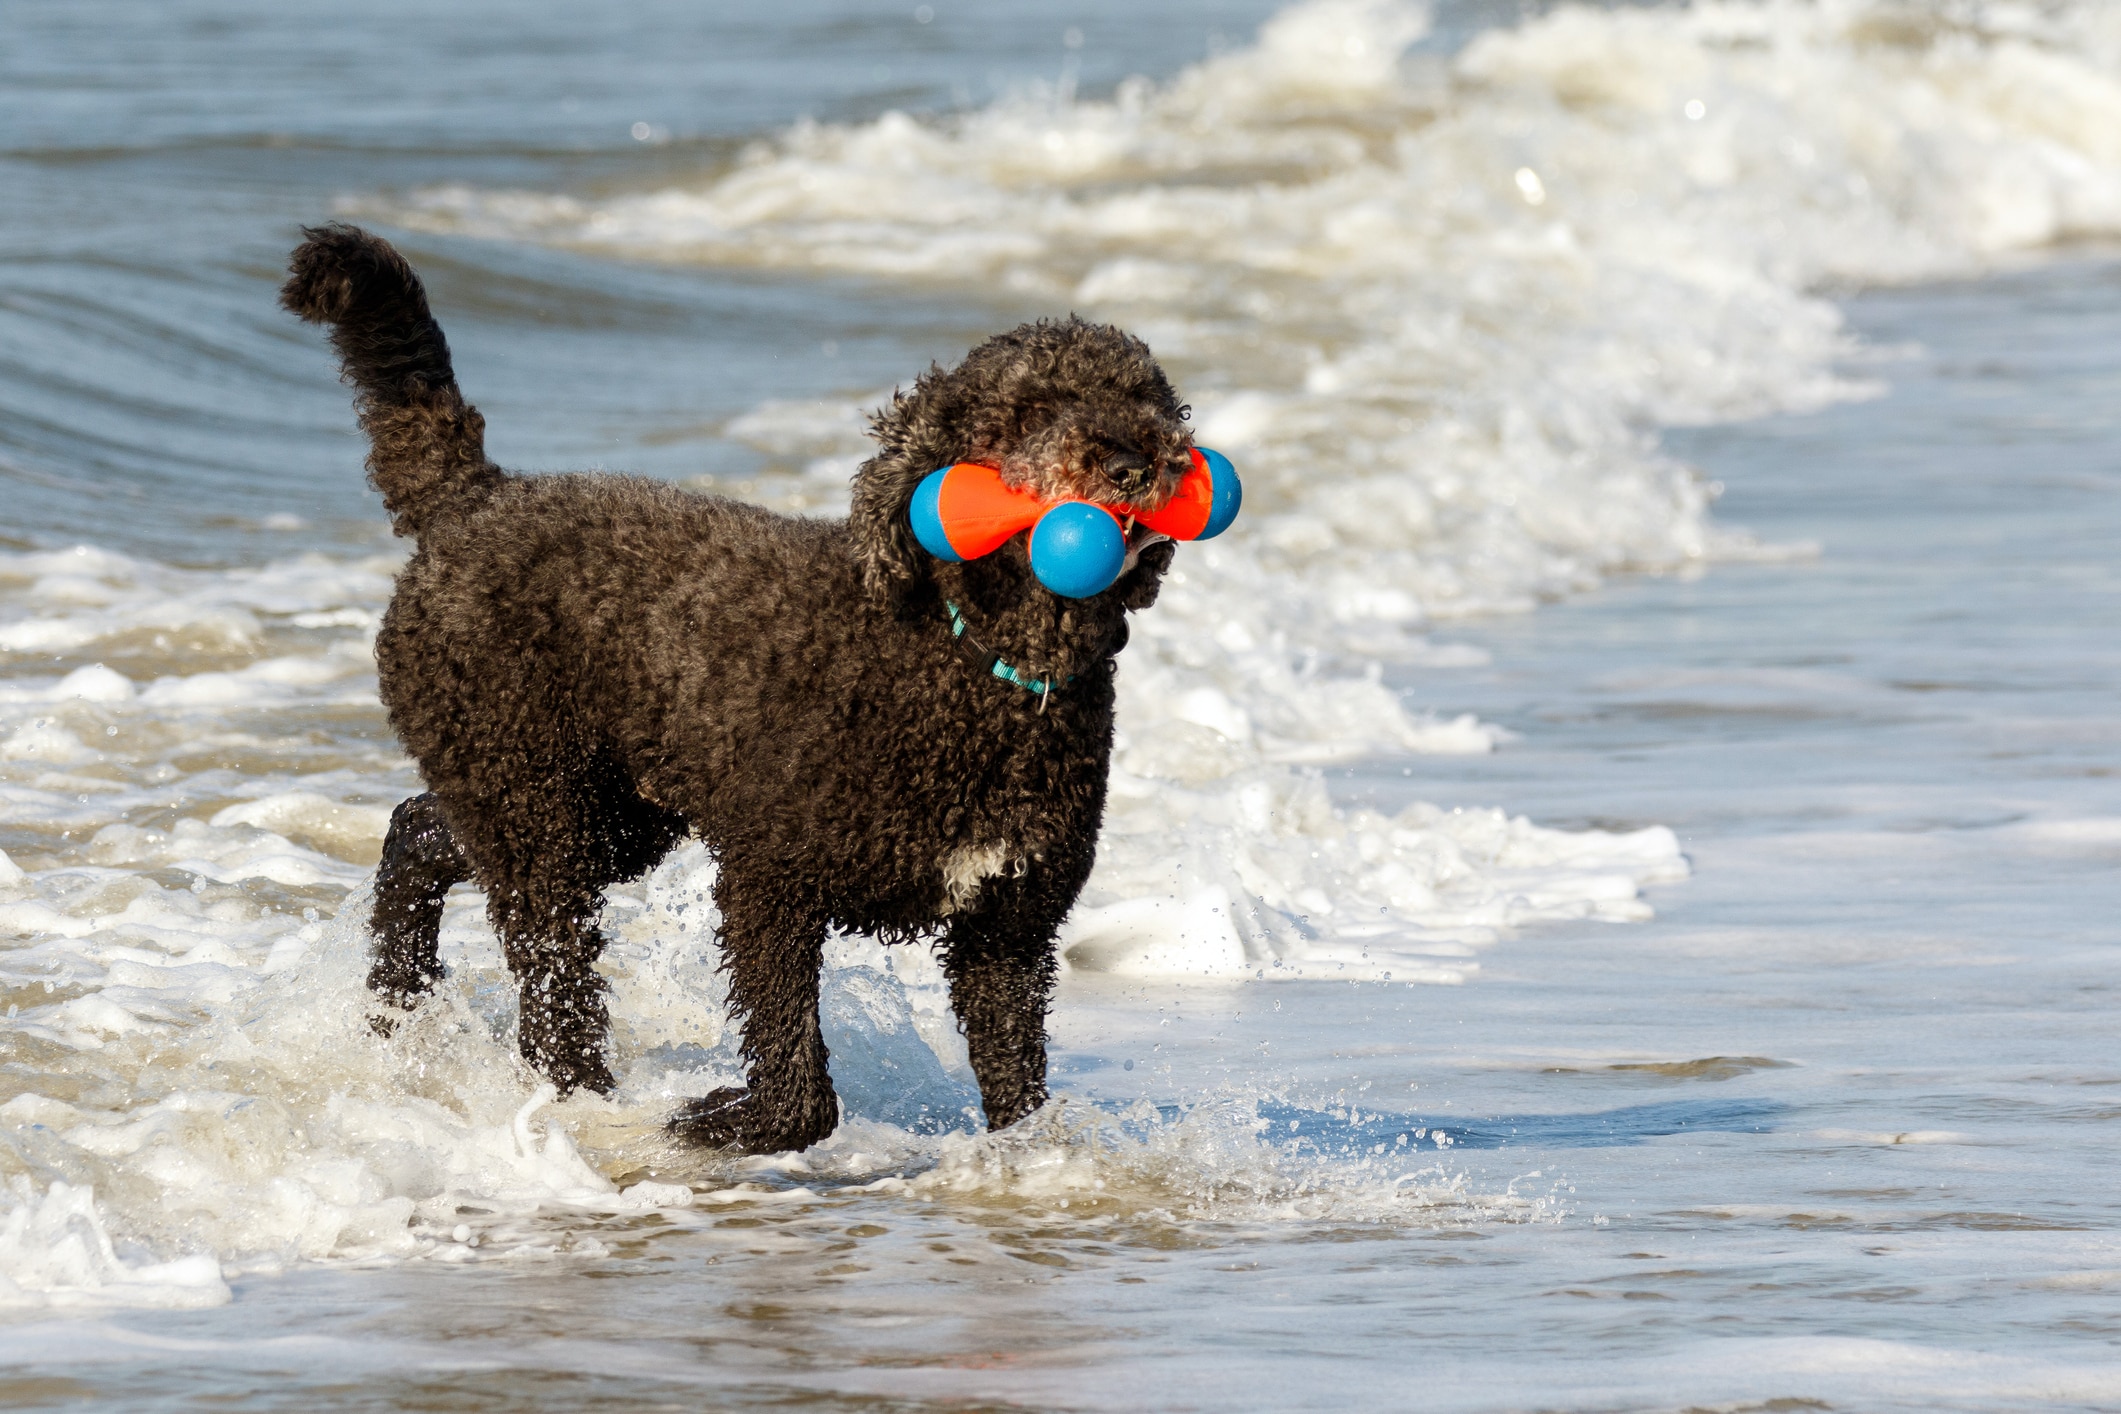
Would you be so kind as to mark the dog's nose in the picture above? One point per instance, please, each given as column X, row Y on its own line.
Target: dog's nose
column 1130, row 471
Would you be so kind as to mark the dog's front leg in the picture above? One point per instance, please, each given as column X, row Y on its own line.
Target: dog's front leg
column 773, row 941
column 999, row 959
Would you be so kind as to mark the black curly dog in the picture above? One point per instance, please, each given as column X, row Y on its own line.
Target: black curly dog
column 589, row 668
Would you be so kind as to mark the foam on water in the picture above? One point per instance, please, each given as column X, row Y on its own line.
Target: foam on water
column 198, row 781
column 213, row 1079
column 1435, row 307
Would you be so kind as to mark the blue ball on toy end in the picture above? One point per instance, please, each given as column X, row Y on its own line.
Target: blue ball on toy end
column 927, row 517
column 1077, row 549
column 1225, row 499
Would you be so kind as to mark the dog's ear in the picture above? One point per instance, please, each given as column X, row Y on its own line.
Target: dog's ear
column 913, row 438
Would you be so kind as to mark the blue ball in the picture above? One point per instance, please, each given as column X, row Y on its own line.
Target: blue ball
column 1077, row 549
column 1223, row 501
column 927, row 517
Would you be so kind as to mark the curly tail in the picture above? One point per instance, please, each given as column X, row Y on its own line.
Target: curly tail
column 427, row 446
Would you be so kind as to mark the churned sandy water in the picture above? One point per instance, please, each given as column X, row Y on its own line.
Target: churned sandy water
column 1607, row 898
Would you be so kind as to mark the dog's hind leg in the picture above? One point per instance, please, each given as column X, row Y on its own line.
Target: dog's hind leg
column 552, row 941
column 999, row 959
column 561, row 1016
column 420, row 863
column 544, row 904
column 773, row 940
column 544, row 854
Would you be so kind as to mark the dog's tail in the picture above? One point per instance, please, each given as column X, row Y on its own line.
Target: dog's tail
column 427, row 446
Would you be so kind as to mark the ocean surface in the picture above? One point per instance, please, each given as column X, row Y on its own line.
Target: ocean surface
column 1608, row 901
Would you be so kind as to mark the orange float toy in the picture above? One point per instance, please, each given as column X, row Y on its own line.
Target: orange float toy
column 1077, row 547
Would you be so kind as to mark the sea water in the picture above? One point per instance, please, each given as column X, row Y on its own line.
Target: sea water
column 1689, row 992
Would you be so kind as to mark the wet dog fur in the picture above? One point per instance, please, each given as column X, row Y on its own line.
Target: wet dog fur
column 589, row 669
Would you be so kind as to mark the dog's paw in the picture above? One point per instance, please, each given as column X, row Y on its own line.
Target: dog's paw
column 564, row 1045
column 1004, row 1110
column 580, row 1072
column 735, row 1119
column 402, row 1001
column 718, row 1120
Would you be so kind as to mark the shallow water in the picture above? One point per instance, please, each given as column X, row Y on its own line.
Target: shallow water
column 1373, row 1091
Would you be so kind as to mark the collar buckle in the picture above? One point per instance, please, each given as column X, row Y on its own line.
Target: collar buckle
column 991, row 663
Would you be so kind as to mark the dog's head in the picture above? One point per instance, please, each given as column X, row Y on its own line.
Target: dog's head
column 1065, row 408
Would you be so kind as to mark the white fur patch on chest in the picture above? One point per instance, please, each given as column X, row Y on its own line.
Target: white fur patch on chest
column 968, row 866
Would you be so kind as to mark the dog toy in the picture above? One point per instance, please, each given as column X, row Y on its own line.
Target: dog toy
column 1078, row 548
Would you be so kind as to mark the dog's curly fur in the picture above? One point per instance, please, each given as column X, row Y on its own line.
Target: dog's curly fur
column 589, row 668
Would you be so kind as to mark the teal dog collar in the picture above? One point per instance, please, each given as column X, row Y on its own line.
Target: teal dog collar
column 990, row 661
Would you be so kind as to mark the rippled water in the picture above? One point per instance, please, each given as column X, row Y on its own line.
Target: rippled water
column 1691, row 993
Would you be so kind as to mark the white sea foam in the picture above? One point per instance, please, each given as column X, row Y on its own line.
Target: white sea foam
column 193, row 815
column 213, row 1101
column 233, row 1110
